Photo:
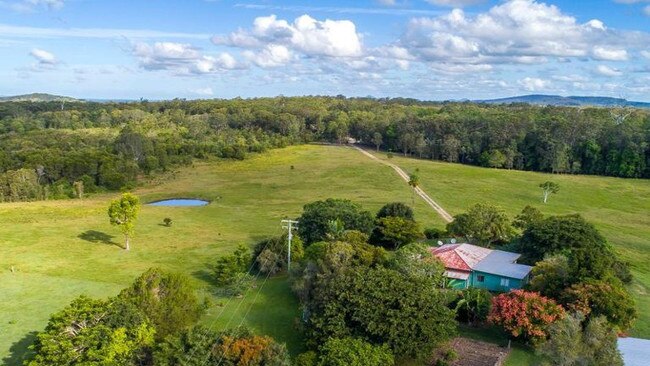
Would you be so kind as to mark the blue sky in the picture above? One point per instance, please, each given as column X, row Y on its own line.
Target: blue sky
column 425, row 49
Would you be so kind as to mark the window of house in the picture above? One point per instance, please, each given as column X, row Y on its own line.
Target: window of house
column 480, row 278
column 505, row 282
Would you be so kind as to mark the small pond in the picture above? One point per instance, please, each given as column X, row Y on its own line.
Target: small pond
column 180, row 202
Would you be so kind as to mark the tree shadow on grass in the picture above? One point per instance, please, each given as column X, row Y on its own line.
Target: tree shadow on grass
column 95, row 236
column 204, row 275
column 18, row 351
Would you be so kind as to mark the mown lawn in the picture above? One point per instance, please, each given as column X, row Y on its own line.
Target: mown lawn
column 61, row 249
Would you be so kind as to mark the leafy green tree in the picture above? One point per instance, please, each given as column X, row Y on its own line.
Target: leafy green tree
column 414, row 182
column 607, row 298
column 551, row 276
column 393, row 232
column 123, row 212
column 316, row 216
column 486, row 224
column 405, row 313
column 473, row 305
column 236, row 347
column 549, row 187
column 278, row 246
column 416, row 260
column 227, row 267
column 589, row 254
column 395, row 209
column 93, row 332
column 528, row 216
column 569, row 344
column 335, row 229
column 354, row 352
column 167, row 299
column 377, row 139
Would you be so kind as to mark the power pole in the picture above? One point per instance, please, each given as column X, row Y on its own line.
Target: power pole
column 289, row 225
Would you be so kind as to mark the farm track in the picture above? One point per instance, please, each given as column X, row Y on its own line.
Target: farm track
column 441, row 211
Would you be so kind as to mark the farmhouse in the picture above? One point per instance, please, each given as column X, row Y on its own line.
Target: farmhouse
column 469, row 265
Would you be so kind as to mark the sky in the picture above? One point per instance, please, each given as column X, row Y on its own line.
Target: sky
column 424, row 49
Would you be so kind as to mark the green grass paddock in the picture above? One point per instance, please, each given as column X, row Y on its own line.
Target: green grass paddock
column 61, row 249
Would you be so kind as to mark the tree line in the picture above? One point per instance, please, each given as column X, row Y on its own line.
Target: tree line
column 46, row 147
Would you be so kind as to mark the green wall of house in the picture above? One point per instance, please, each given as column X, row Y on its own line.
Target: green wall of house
column 493, row 282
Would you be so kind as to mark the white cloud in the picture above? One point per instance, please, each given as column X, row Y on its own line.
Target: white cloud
column 43, row 57
column 515, row 32
column 534, row 84
column 646, row 10
column 181, row 58
column 12, row 31
column 270, row 56
column 608, row 54
column 306, row 35
column 387, row 2
column 455, row 3
column 28, row 6
column 608, row 71
column 646, row 54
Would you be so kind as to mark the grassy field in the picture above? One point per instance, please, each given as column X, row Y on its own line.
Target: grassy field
column 61, row 249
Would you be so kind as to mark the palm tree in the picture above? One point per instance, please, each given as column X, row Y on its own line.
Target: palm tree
column 414, row 182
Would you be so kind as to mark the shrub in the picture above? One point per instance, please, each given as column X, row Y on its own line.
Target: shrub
column 167, row 299
column 316, row 217
column 473, row 305
column 395, row 209
column 405, row 313
column 167, row 221
column 354, row 352
column 606, row 298
column 308, row 358
column 228, row 267
column 275, row 260
column 392, row 232
column 434, row 233
column 524, row 314
column 571, row 345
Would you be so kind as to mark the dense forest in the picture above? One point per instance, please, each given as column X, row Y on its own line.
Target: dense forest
column 56, row 150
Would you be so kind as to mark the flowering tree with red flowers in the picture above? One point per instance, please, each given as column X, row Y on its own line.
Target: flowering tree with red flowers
column 524, row 314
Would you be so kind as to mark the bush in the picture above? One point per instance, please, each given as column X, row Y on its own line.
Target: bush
column 228, row 268
column 316, row 218
column 354, row 352
column 392, row 232
column 524, row 314
column 238, row 347
column 571, row 345
column 434, row 233
column 473, row 305
column 167, row 299
column 167, row 221
column 275, row 260
column 306, row 359
column 405, row 313
column 395, row 209
column 606, row 298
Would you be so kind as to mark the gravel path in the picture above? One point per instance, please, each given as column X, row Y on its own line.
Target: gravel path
column 441, row 211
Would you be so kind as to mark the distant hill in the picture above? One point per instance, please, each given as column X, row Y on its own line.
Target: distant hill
column 38, row 97
column 575, row 101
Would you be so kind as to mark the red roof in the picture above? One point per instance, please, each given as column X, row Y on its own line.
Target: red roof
column 461, row 257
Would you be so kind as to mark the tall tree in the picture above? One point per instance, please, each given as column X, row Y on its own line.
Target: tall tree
column 483, row 223
column 377, row 139
column 123, row 213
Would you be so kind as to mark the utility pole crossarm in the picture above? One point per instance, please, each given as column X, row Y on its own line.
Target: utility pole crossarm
column 290, row 226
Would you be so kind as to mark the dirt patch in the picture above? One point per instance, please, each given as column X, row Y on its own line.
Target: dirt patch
column 476, row 353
